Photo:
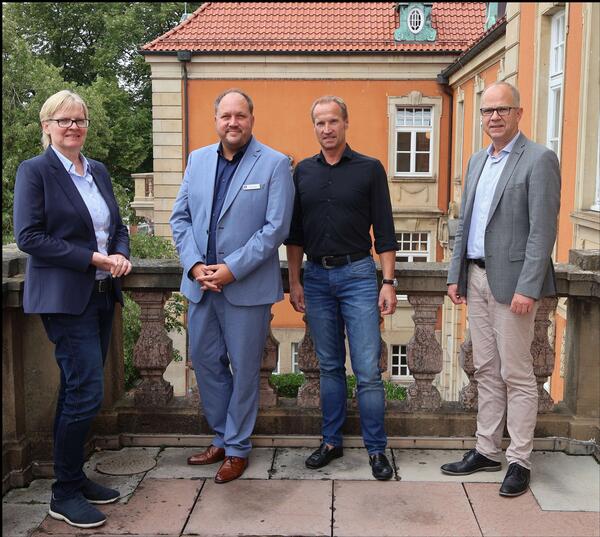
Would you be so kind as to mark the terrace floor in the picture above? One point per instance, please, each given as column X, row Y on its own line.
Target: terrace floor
column 278, row 496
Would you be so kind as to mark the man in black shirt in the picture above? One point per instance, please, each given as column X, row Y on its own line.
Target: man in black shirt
column 339, row 195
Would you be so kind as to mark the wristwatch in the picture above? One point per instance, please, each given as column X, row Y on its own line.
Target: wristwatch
column 393, row 282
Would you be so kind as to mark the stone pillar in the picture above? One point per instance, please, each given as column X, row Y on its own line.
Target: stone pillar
column 468, row 394
column 424, row 354
column 154, row 349
column 268, row 395
column 543, row 352
column 309, row 394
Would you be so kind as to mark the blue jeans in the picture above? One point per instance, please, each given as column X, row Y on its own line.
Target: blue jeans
column 341, row 298
column 81, row 346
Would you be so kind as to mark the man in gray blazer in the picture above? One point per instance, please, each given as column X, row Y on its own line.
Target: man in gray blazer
column 232, row 213
column 502, row 265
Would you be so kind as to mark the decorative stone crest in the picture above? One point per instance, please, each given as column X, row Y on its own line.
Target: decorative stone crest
column 424, row 354
column 468, row 394
column 309, row 394
column 542, row 352
column 154, row 349
column 268, row 395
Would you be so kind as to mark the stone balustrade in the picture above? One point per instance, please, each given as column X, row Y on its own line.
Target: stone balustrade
column 150, row 408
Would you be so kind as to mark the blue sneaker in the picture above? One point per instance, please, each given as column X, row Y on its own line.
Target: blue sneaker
column 77, row 512
column 96, row 493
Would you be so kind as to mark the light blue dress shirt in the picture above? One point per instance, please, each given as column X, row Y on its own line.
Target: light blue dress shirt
column 494, row 165
column 93, row 201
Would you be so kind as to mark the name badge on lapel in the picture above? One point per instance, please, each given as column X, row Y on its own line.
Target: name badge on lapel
column 254, row 186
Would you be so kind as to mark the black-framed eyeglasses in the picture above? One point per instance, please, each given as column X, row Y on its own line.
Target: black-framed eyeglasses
column 502, row 111
column 65, row 123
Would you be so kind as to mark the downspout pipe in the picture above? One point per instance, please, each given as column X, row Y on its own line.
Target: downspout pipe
column 185, row 56
column 444, row 84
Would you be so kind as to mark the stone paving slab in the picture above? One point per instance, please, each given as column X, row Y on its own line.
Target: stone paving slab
column 289, row 464
column 424, row 465
column 38, row 491
column 522, row 516
column 18, row 520
column 562, row 482
column 398, row 509
column 158, row 507
column 172, row 463
column 265, row 508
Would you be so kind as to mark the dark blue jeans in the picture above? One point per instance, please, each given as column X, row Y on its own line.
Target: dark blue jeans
column 81, row 346
column 338, row 299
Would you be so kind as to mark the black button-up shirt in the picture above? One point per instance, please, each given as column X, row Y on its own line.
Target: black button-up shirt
column 336, row 205
column 225, row 171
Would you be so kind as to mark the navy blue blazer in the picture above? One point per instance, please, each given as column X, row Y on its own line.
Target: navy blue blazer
column 53, row 225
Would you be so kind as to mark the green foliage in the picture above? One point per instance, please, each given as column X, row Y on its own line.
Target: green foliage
column 146, row 246
column 91, row 48
column 132, row 327
column 288, row 384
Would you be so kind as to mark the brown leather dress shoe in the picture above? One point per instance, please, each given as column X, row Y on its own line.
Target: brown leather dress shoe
column 232, row 468
column 211, row 455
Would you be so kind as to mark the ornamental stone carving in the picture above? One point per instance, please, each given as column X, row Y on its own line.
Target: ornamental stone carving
column 424, row 354
column 154, row 349
column 468, row 394
column 268, row 395
column 309, row 394
column 543, row 352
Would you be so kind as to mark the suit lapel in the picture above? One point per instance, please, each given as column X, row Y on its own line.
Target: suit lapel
column 247, row 163
column 478, row 168
column 100, row 180
column 66, row 183
column 511, row 163
column 206, row 185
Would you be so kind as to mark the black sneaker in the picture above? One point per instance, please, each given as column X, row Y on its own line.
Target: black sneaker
column 472, row 462
column 77, row 512
column 323, row 456
column 98, row 494
column 516, row 480
column 380, row 466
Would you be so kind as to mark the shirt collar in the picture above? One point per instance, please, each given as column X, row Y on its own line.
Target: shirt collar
column 69, row 166
column 238, row 155
column 348, row 154
column 505, row 150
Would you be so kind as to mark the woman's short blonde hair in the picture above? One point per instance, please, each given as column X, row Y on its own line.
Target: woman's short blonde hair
column 58, row 101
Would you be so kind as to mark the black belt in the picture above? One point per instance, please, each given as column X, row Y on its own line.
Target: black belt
column 479, row 262
column 330, row 261
column 103, row 286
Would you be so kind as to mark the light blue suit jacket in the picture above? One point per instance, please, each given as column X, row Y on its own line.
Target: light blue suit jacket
column 253, row 223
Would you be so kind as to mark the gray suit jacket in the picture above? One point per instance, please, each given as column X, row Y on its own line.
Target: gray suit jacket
column 521, row 225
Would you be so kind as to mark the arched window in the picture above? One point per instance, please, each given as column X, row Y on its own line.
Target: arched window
column 415, row 20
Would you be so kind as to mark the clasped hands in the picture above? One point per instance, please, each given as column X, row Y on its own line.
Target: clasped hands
column 117, row 264
column 212, row 277
column 520, row 304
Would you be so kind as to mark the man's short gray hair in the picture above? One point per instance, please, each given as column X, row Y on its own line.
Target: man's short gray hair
column 516, row 96
column 329, row 99
column 238, row 91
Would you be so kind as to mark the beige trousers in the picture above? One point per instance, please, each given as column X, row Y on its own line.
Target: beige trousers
column 507, row 386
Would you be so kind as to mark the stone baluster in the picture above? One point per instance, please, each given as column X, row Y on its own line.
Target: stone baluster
column 468, row 394
column 309, row 394
column 424, row 354
column 154, row 349
column 268, row 395
column 543, row 352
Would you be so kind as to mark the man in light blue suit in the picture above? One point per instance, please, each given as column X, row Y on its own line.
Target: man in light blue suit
column 232, row 213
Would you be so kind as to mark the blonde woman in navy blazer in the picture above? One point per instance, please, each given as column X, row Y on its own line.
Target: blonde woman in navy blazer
column 67, row 219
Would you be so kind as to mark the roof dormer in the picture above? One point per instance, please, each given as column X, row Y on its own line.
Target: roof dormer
column 415, row 22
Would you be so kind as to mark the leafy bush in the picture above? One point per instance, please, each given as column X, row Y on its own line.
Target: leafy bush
column 146, row 246
column 288, row 384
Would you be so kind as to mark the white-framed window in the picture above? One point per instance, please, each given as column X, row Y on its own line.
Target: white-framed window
column 414, row 141
column 416, row 19
column 399, row 362
column 414, row 246
column 278, row 368
column 295, row 368
column 556, row 81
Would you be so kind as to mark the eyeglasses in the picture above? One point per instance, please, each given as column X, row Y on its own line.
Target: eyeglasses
column 65, row 123
column 502, row 111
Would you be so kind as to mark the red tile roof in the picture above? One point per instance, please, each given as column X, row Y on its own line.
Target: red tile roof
column 339, row 27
